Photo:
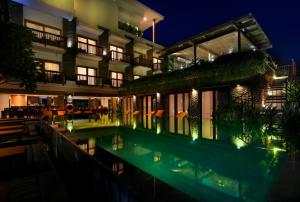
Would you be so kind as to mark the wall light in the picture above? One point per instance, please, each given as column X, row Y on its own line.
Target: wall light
column 194, row 92
column 145, row 18
column 104, row 52
column 69, row 42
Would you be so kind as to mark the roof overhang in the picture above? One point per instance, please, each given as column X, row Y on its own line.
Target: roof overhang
column 142, row 13
column 246, row 24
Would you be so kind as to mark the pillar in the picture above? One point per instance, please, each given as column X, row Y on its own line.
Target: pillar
column 154, row 31
column 150, row 57
column 194, row 113
column 195, row 54
column 103, row 41
column 130, row 52
column 69, row 57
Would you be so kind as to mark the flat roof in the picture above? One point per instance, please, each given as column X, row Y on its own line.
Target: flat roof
column 246, row 24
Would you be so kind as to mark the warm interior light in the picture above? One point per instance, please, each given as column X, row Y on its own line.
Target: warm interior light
column 279, row 77
column 145, row 18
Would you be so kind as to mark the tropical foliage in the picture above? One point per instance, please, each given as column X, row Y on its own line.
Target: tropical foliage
column 17, row 63
column 225, row 69
column 246, row 122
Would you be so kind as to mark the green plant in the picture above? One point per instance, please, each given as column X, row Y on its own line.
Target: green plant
column 247, row 122
column 290, row 122
column 17, row 62
column 226, row 69
column 293, row 91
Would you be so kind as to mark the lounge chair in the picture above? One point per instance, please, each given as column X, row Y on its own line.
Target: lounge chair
column 181, row 115
column 135, row 113
column 151, row 113
column 159, row 113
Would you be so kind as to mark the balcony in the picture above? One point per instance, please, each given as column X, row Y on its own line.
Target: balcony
column 119, row 57
column 51, row 77
column 89, row 49
column 141, row 61
column 156, row 66
column 130, row 29
column 86, row 80
column 48, row 38
column 117, row 83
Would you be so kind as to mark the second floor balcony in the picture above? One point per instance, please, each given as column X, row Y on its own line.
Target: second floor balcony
column 119, row 56
column 51, row 77
column 89, row 49
column 47, row 38
column 86, row 80
column 156, row 67
column 142, row 61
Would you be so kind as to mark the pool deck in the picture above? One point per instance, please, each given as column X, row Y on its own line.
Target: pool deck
column 27, row 173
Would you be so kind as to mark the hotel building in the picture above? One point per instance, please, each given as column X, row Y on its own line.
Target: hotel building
column 95, row 51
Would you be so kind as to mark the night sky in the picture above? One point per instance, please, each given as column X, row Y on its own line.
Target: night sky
column 280, row 20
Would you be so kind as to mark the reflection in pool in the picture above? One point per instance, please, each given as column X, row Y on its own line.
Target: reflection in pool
column 204, row 166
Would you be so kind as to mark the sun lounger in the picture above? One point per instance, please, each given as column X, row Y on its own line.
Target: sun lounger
column 11, row 151
column 159, row 113
column 135, row 113
column 181, row 115
column 11, row 127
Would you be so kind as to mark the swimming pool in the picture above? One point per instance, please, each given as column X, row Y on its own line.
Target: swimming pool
column 202, row 168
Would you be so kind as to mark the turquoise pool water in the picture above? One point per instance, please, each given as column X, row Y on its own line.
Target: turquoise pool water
column 204, row 169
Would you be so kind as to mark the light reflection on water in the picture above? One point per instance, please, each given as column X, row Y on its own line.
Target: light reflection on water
column 210, row 164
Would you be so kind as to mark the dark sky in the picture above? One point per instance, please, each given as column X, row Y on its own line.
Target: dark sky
column 280, row 19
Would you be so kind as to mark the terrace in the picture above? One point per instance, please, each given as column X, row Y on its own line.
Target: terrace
column 47, row 38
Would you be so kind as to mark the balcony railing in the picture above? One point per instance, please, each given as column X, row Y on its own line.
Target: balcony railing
column 142, row 62
column 156, row 66
column 48, row 38
column 119, row 56
column 51, row 77
column 117, row 83
column 82, row 79
column 130, row 29
column 89, row 49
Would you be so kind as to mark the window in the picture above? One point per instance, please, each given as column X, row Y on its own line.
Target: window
column 156, row 64
column 116, row 79
column 51, row 66
column 116, row 52
column 44, row 28
column 85, row 74
column 87, row 45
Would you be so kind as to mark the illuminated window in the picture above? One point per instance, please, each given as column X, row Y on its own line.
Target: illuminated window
column 87, row 45
column 54, row 33
column 116, row 79
column 50, row 66
column 86, row 74
column 116, row 52
column 156, row 64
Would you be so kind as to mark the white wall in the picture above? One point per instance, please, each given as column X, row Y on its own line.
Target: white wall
column 97, row 12
column 45, row 55
column 86, row 63
column 42, row 17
